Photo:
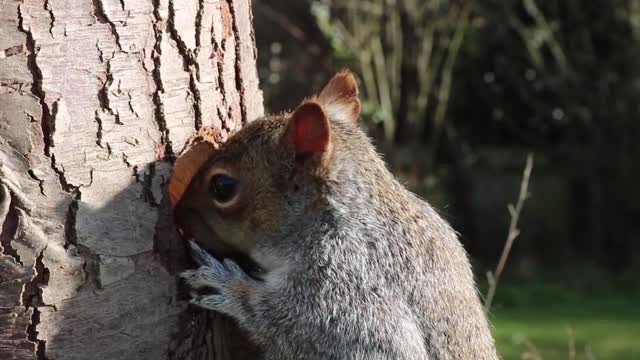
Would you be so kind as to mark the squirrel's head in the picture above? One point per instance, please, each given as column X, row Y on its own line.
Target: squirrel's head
column 269, row 175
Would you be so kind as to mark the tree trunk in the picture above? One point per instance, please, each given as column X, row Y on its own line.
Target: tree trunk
column 96, row 97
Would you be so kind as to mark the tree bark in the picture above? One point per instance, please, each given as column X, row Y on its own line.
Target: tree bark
column 96, row 98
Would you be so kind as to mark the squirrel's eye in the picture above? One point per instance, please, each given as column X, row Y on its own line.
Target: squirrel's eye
column 223, row 188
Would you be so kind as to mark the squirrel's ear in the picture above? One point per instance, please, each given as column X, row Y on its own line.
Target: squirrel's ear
column 340, row 97
column 309, row 130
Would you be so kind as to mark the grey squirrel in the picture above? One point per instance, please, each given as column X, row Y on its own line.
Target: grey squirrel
column 353, row 265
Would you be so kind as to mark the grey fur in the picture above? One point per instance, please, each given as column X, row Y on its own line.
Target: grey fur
column 360, row 268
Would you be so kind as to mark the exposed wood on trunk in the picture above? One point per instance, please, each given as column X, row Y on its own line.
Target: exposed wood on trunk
column 95, row 98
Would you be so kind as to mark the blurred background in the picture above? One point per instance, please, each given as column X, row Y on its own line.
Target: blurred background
column 455, row 95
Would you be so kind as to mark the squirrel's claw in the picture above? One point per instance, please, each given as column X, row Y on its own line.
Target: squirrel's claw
column 214, row 275
column 200, row 256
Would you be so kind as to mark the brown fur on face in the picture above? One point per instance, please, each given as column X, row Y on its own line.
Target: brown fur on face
column 273, row 158
column 257, row 207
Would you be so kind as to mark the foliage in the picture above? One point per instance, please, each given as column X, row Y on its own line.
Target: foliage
column 402, row 51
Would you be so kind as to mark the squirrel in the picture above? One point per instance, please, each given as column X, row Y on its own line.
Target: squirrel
column 352, row 264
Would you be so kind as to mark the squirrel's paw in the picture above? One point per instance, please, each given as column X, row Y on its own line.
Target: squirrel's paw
column 231, row 283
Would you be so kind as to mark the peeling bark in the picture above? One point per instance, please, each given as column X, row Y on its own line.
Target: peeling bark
column 96, row 97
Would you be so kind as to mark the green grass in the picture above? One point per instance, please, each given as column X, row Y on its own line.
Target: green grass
column 607, row 321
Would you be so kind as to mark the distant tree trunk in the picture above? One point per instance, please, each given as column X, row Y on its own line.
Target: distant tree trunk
column 96, row 98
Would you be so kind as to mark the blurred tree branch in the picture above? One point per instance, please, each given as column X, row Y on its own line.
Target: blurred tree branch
column 514, row 212
column 447, row 75
column 398, row 47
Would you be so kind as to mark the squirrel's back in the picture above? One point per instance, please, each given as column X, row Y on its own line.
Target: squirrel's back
column 375, row 241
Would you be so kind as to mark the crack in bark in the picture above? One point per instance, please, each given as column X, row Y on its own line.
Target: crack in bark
column 48, row 115
column 70, row 232
column 66, row 186
column 31, row 118
column 32, row 292
column 105, row 104
column 199, row 15
column 187, row 55
column 32, row 298
column 125, row 160
column 14, row 50
column 50, row 119
column 221, row 85
column 9, row 223
column 238, row 64
column 219, row 50
column 47, row 6
column 90, row 179
column 101, row 16
column 146, row 179
column 189, row 62
column 32, row 335
column 109, row 151
column 218, row 55
column 253, row 37
column 98, row 120
column 193, row 87
column 223, row 120
column 33, row 175
column 131, row 105
column 100, row 52
column 157, row 79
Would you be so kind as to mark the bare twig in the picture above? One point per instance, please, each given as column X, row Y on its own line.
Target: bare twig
column 572, row 344
column 514, row 212
column 588, row 353
column 549, row 33
column 532, row 352
column 384, row 91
